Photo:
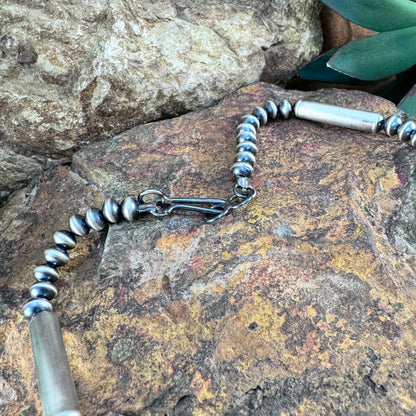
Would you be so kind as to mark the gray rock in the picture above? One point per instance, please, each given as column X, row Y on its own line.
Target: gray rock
column 81, row 71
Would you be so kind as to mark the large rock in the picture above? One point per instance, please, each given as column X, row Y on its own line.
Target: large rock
column 81, row 71
column 300, row 303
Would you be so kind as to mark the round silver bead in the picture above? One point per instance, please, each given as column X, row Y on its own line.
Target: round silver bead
column 129, row 208
column 247, row 147
column 78, row 225
column 43, row 290
column 35, row 306
column 247, row 157
column 412, row 141
column 285, row 109
column 406, row 130
column 242, row 169
column 56, row 256
column 46, row 273
column 393, row 123
column 111, row 210
column 261, row 114
column 246, row 136
column 65, row 239
column 246, row 127
column 95, row 219
column 271, row 110
column 250, row 119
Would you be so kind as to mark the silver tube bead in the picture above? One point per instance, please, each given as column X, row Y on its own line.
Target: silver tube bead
column 339, row 116
column 56, row 387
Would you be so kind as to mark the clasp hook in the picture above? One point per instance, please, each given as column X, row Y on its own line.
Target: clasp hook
column 160, row 205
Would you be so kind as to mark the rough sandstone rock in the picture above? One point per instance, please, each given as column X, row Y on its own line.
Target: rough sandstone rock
column 81, row 71
column 300, row 303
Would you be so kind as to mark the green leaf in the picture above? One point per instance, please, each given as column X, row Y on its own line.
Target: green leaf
column 398, row 88
column 378, row 15
column 318, row 70
column 377, row 56
column 408, row 104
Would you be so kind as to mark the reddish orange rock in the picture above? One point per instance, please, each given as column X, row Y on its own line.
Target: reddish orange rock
column 300, row 303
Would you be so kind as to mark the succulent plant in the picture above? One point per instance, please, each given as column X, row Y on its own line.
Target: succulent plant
column 377, row 57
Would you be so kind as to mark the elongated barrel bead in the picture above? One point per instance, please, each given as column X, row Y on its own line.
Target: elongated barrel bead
column 339, row 116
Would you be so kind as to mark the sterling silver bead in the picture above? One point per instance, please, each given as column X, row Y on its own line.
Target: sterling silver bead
column 46, row 273
column 242, row 169
column 95, row 219
column 111, row 210
column 246, row 127
column 271, row 110
column 65, row 239
column 246, row 136
column 261, row 114
column 412, row 141
column 393, row 123
column 247, row 147
column 285, row 109
column 56, row 256
column 247, row 157
column 30, row 309
column 78, row 225
column 249, row 118
column 43, row 290
column 406, row 130
column 129, row 208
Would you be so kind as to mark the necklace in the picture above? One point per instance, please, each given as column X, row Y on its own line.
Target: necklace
column 55, row 382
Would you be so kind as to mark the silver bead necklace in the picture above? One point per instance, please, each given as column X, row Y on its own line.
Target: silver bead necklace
column 55, row 382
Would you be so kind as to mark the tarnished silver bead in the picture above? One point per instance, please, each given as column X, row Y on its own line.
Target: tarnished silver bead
column 43, row 290
column 56, row 256
column 78, row 225
column 250, row 119
column 65, row 239
column 30, row 309
column 412, row 141
column 246, row 136
column 285, row 109
column 261, row 114
column 46, row 273
column 406, row 130
column 392, row 124
column 95, row 219
column 111, row 210
column 129, row 208
column 247, row 147
column 242, row 169
column 271, row 110
column 246, row 127
column 247, row 157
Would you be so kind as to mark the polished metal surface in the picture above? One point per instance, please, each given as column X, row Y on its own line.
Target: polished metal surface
column 65, row 239
column 247, row 147
column 35, row 306
column 111, row 210
column 46, row 273
column 393, row 123
column 271, row 110
column 43, row 290
column 245, row 127
column 406, row 130
column 242, row 169
column 247, row 157
column 129, row 208
column 249, row 118
column 57, row 391
column 56, row 256
column 78, row 225
column 339, row 116
column 95, row 219
column 285, row 109
column 261, row 114
column 246, row 136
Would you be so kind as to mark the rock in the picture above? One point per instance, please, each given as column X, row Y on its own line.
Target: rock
column 81, row 71
column 302, row 302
